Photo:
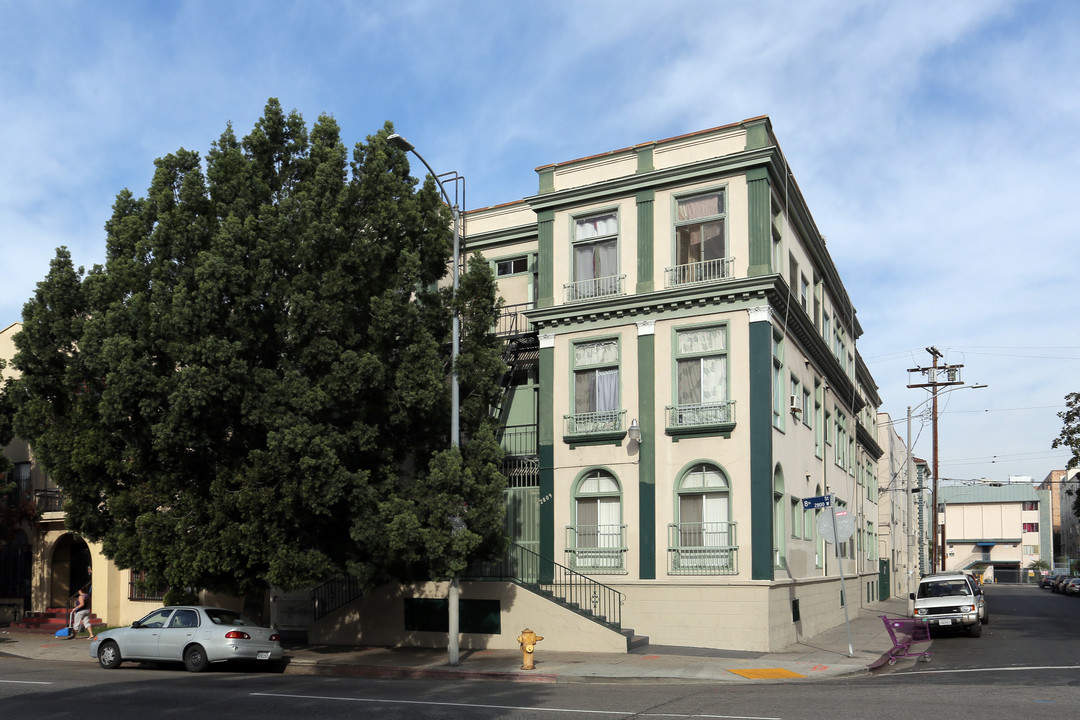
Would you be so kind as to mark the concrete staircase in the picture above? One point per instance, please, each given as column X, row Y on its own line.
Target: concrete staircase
column 49, row 621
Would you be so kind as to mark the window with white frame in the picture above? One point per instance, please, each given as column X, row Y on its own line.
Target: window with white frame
column 511, row 266
column 700, row 242
column 596, row 538
column 796, row 518
column 596, row 257
column 596, row 387
column 701, row 376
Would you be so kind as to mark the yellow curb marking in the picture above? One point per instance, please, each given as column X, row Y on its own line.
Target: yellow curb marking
column 766, row 673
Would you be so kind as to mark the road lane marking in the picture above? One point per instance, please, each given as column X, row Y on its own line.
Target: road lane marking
column 26, row 682
column 996, row 669
column 624, row 713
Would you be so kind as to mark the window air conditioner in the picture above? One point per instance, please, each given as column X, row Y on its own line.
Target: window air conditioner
column 794, row 404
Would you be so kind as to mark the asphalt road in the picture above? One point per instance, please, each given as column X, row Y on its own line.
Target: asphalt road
column 1024, row 664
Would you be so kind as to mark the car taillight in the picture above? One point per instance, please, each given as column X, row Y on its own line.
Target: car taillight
column 274, row 637
column 237, row 635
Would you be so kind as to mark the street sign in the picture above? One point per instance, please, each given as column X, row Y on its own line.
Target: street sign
column 845, row 526
column 817, row 503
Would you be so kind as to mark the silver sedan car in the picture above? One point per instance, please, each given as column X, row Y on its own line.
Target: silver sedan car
column 194, row 635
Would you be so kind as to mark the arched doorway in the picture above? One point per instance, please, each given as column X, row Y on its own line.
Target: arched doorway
column 70, row 569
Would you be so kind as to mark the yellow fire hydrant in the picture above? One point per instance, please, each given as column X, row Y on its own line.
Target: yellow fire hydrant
column 528, row 639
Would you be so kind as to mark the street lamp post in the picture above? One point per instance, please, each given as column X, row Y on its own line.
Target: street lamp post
column 454, row 594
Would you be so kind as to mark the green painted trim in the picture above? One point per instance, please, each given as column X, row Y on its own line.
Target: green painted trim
column 614, row 437
column 645, row 240
column 719, row 430
column 761, row 461
column 757, row 134
column 759, row 219
column 546, row 450
column 545, row 265
column 647, row 456
column 708, row 170
column 547, row 180
column 645, row 159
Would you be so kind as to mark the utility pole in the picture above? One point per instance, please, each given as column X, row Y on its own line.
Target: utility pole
column 936, row 376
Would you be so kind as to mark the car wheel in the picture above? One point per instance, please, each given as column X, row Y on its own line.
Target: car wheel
column 975, row 630
column 109, row 655
column 986, row 617
column 195, row 659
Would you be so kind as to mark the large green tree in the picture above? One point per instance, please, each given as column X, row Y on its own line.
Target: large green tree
column 253, row 389
column 1070, row 439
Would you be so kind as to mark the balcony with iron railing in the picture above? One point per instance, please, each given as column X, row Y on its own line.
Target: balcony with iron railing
column 518, row 440
column 699, row 419
column 601, row 423
column 706, row 271
column 594, row 288
column 702, row 548
column 49, row 500
column 596, row 548
column 511, row 321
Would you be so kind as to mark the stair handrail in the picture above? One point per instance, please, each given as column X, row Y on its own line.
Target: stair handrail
column 544, row 576
column 333, row 594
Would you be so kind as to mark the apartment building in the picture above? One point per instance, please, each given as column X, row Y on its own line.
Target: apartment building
column 683, row 374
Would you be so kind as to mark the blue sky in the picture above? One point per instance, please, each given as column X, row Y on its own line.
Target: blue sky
column 936, row 144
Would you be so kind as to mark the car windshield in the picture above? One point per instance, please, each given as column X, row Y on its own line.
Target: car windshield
column 944, row 588
column 226, row 617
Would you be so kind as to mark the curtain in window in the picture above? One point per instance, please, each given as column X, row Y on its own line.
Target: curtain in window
column 598, row 226
column 699, row 207
column 689, row 381
column 607, row 389
column 604, row 257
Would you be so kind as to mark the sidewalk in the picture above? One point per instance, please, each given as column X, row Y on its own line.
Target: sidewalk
column 818, row 657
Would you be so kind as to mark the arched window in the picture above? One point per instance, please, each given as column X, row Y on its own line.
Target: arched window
column 595, row 540
column 703, row 538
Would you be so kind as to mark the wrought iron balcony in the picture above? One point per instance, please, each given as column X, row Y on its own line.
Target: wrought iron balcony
column 706, row 271
column 594, row 289
column 605, row 421
column 49, row 500
column 702, row 548
column 596, row 548
column 700, row 414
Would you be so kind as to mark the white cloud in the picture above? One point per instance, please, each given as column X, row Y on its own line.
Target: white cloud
column 935, row 142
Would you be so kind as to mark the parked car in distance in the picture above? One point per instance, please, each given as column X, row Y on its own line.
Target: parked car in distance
column 1058, row 582
column 1046, row 581
column 951, row 599
column 1071, row 586
column 193, row 635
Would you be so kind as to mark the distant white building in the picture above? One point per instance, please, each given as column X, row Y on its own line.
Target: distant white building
column 996, row 526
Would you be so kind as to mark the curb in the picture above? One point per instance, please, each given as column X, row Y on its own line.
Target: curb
column 384, row 672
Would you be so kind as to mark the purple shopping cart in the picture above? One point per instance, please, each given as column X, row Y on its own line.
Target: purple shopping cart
column 906, row 632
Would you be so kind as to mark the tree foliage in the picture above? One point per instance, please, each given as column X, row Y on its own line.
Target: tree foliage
column 1070, row 438
column 253, row 388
